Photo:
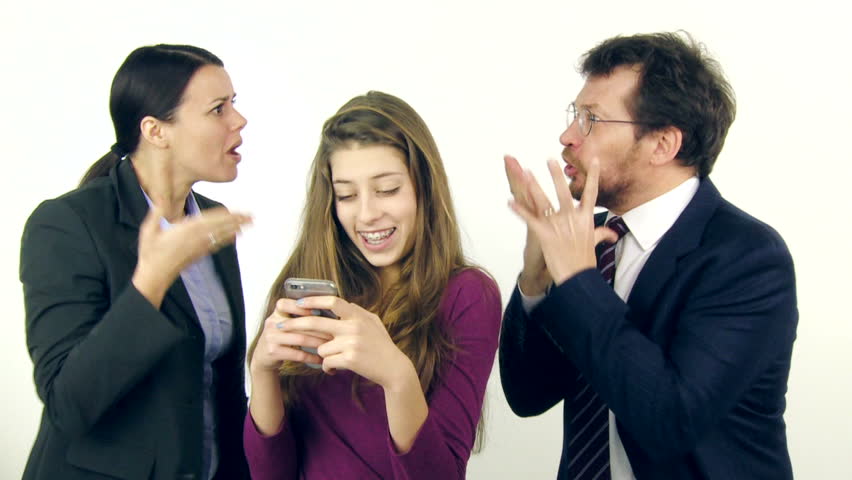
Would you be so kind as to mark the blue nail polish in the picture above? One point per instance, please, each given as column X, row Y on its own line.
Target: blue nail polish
column 315, row 312
column 279, row 325
column 300, row 302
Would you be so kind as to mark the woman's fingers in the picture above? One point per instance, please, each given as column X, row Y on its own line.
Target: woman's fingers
column 151, row 223
column 329, row 303
column 276, row 346
column 321, row 325
column 295, row 339
column 283, row 353
column 286, row 307
column 332, row 364
column 219, row 227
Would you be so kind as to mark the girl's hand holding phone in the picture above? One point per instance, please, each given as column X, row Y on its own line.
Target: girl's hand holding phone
column 277, row 344
column 360, row 342
column 296, row 288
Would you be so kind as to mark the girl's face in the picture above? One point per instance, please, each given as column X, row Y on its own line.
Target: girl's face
column 205, row 133
column 375, row 202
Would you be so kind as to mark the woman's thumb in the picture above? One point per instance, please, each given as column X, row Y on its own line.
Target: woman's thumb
column 151, row 223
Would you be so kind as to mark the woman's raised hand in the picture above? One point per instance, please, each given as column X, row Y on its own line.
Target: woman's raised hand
column 163, row 254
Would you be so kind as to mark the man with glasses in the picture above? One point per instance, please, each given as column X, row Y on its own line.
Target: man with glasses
column 666, row 324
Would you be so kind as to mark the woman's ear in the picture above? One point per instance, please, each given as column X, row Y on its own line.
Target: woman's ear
column 153, row 131
column 667, row 145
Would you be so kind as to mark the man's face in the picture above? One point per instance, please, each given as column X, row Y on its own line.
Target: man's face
column 614, row 144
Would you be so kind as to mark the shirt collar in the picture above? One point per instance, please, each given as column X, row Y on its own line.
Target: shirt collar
column 651, row 220
column 190, row 207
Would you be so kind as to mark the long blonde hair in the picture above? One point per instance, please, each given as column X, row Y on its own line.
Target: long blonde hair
column 409, row 307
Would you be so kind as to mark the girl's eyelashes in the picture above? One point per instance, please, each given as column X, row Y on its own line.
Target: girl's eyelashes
column 384, row 193
column 388, row 192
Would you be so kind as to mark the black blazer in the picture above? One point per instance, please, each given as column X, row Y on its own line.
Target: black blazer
column 694, row 365
column 120, row 380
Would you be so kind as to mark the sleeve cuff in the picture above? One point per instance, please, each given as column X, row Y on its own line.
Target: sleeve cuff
column 529, row 302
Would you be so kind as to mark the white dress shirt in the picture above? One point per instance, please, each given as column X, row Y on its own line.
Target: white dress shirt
column 647, row 223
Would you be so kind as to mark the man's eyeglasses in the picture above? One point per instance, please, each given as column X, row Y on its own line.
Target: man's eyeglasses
column 585, row 119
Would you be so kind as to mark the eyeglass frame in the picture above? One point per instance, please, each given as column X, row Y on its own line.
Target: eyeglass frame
column 573, row 111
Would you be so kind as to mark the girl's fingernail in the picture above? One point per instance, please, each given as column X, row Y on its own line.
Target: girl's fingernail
column 300, row 302
column 279, row 325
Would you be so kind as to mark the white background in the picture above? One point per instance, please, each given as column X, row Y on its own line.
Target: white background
column 488, row 80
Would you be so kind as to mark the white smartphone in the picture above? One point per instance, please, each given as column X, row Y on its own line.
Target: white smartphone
column 297, row 288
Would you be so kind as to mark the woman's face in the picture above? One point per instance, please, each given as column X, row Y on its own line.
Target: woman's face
column 375, row 202
column 205, row 133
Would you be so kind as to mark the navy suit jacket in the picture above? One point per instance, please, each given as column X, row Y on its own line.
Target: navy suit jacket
column 121, row 380
column 694, row 365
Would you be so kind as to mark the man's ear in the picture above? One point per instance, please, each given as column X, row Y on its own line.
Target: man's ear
column 154, row 132
column 667, row 145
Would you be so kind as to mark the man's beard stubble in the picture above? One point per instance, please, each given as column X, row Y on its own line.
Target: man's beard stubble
column 611, row 194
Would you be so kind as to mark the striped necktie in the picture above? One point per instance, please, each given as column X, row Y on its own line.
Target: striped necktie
column 588, row 448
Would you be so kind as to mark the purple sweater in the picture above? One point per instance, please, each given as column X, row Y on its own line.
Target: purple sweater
column 327, row 436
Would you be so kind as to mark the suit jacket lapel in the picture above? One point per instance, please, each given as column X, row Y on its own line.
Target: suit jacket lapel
column 683, row 237
column 132, row 208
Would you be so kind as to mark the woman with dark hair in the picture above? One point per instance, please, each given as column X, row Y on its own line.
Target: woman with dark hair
column 134, row 306
column 415, row 341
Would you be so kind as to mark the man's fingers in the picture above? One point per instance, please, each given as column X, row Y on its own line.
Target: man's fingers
column 563, row 192
column 530, row 218
column 604, row 234
column 538, row 200
column 590, row 191
column 514, row 174
column 518, row 185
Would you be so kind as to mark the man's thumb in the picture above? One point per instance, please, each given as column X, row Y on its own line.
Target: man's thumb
column 604, row 234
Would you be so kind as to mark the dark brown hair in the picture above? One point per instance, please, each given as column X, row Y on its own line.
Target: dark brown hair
column 679, row 86
column 150, row 82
